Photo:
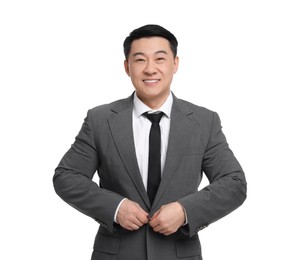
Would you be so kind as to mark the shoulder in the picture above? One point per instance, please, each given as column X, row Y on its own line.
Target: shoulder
column 194, row 107
column 207, row 120
column 195, row 111
column 116, row 106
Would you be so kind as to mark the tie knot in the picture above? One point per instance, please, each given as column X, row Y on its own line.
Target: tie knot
column 154, row 117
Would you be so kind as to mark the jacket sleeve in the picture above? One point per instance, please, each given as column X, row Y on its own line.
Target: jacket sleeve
column 227, row 188
column 73, row 179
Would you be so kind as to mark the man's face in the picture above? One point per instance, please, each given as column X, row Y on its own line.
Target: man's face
column 151, row 66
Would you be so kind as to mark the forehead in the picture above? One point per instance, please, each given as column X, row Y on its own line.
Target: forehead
column 150, row 45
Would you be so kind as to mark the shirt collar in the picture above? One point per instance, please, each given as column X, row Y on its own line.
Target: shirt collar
column 139, row 107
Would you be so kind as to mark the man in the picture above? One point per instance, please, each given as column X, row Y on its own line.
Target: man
column 143, row 215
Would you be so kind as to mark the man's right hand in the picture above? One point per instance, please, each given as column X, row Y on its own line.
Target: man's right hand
column 131, row 216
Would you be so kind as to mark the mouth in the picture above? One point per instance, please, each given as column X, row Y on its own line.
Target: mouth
column 151, row 81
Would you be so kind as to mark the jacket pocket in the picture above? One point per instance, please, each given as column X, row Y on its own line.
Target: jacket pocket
column 107, row 244
column 188, row 247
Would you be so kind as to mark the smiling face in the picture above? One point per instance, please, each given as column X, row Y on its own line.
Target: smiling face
column 151, row 66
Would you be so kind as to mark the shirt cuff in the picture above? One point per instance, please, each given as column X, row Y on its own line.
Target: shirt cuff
column 116, row 211
column 186, row 217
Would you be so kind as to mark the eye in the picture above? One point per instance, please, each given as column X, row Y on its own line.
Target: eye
column 139, row 60
column 160, row 60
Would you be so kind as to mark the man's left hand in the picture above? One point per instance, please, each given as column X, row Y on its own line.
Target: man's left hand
column 168, row 219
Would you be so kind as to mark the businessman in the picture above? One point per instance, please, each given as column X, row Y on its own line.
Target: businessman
column 150, row 151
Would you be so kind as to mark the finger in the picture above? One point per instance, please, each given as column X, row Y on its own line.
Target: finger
column 139, row 218
column 161, row 227
column 142, row 219
column 131, row 227
column 164, row 231
column 133, row 223
column 167, row 233
column 155, row 215
column 134, row 226
column 141, row 214
column 138, row 222
column 153, row 223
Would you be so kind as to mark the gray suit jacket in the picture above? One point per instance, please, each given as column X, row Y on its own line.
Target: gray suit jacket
column 105, row 144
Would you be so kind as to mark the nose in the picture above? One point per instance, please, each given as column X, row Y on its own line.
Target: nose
column 150, row 68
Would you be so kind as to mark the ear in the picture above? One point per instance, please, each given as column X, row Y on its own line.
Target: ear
column 126, row 66
column 176, row 62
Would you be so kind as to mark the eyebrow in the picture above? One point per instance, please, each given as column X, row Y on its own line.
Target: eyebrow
column 141, row 53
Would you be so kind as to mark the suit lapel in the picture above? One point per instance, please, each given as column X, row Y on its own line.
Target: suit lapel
column 121, row 128
column 181, row 128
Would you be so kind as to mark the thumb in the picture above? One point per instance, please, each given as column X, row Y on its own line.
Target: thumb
column 155, row 215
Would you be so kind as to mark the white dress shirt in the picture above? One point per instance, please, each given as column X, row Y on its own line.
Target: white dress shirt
column 141, row 130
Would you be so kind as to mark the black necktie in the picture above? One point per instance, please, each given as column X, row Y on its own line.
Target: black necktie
column 154, row 167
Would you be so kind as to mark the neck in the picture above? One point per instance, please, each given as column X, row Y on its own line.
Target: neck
column 154, row 103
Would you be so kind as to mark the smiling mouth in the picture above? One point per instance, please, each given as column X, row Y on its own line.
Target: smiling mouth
column 151, row 80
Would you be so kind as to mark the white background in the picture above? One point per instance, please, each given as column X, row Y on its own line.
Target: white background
column 242, row 59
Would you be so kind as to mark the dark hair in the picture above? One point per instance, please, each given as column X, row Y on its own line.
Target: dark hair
column 149, row 31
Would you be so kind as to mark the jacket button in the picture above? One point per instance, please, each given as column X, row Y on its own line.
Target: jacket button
column 201, row 228
column 101, row 223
